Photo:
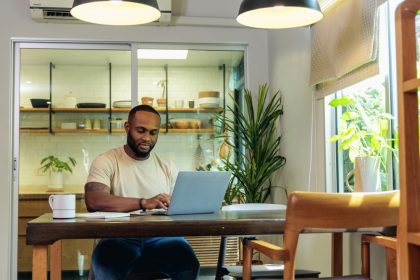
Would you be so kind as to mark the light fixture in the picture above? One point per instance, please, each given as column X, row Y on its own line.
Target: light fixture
column 116, row 12
column 273, row 14
column 161, row 54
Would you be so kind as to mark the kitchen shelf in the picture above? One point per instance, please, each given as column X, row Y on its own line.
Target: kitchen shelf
column 191, row 130
column 34, row 130
column 173, row 130
column 104, row 110
column 176, row 110
column 81, row 130
column 71, row 110
column 34, row 109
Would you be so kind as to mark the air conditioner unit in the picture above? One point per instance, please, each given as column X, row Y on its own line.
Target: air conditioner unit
column 59, row 11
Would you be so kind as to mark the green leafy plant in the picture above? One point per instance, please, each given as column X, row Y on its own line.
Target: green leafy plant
column 52, row 163
column 256, row 130
column 363, row 127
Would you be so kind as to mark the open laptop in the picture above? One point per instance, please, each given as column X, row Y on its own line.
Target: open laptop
column 198, row 192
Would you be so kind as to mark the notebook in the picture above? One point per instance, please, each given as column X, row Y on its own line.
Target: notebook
column 197, row 192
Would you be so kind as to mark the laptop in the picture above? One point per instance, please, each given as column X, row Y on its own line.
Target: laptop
column 197, row 192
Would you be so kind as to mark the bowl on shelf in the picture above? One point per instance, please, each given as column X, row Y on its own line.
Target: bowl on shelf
column 185, row 123
column 121, row 104
column 91, row 105
column 209, row 99
column 146, row 100
column 40, row 103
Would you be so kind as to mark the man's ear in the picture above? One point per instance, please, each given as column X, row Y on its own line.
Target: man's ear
column 126, row 126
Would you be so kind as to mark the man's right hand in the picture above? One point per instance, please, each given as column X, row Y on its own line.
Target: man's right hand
column 160, row 201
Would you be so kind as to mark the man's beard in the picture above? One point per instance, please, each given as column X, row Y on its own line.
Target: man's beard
column 133, row 146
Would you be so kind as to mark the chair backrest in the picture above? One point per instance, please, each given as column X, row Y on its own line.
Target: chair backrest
column 307, row 210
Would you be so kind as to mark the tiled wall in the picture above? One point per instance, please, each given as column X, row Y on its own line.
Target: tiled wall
column 91, row 84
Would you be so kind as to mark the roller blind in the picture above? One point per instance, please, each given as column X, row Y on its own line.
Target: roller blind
column 344, row 45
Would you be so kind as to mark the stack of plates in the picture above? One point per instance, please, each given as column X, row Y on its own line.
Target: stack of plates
column 209, row 99
column 121, row 104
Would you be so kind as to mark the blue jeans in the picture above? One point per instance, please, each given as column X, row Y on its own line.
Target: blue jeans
column 115, row 258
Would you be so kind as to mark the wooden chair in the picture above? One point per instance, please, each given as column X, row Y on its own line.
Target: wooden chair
column 390, row 244
column 344, row 211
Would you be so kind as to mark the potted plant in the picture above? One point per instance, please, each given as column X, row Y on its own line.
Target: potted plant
column 56, row 167
column 256, row 129
column 161, row 102
column 364, row 129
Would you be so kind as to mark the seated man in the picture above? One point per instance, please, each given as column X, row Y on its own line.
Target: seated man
column 129, row 178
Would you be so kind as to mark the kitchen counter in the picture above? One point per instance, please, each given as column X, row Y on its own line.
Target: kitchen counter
column 41, row 191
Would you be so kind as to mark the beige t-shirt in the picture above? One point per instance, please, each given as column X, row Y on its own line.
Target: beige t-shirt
column 133, row 178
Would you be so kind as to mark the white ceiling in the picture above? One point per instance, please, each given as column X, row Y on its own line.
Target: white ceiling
column 206, row 8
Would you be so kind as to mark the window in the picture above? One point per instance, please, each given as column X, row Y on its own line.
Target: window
column 361, row 123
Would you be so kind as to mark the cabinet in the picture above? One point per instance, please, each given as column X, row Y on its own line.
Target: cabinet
column 408, row 251
column 32, row 206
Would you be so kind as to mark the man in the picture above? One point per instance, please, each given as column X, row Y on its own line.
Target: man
column 129, row 178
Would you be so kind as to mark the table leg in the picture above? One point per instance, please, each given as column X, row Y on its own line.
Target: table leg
column 220, row 270
column 337, row 254
column 55, row 260
column 39, row 262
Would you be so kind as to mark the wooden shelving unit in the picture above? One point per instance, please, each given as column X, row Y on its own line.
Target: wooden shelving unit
column 104, row 110
column 408, row 248
column 116, row 130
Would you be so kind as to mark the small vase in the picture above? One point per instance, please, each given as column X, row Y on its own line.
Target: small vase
column 56, row 181
column 366, row 174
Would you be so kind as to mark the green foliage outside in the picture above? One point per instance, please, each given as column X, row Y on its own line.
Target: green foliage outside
column 363, row 128
column 255, row 128
column 52, row 163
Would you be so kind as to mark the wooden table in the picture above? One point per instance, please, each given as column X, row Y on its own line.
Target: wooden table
column 45, row 231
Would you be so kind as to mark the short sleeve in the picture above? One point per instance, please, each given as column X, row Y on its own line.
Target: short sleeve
column 101, row 170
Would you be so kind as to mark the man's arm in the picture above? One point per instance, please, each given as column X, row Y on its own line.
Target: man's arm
column 99, row 198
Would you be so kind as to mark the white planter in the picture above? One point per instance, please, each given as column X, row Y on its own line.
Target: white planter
column 56, row 181
column 366, row 174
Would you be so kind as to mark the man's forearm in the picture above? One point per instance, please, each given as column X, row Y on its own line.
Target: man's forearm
column 98, row 198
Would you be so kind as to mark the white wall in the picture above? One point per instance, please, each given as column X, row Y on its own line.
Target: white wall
column 302, row 128
column 16, row 22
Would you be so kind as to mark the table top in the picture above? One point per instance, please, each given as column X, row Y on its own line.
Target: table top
column 46, row 230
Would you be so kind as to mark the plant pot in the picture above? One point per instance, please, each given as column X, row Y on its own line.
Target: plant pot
column 366, row 174
column 56, row 181
column 161, row 102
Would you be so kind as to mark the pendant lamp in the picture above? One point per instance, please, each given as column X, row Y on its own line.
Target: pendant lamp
column 273, row 14
column 116, row 12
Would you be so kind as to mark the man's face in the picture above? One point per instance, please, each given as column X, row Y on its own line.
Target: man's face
column 142, row 133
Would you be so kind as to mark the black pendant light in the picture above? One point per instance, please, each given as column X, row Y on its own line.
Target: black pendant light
column 278, row 13
column 116, row 12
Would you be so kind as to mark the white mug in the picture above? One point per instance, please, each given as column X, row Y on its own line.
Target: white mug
column 63, row 205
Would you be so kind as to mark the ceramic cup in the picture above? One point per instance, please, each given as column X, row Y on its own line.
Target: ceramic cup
column 63, row 205
column 96, row 124
column 179, row 103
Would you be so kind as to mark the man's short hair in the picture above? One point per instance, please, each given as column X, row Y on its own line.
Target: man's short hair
column 141, row 108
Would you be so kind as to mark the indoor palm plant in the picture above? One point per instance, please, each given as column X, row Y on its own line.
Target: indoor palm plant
column 255, row 129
